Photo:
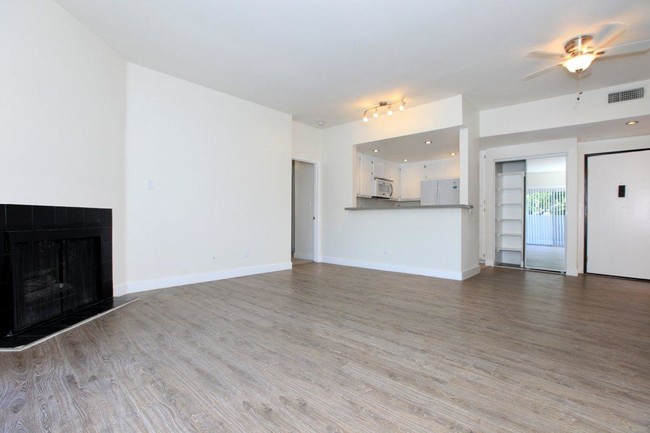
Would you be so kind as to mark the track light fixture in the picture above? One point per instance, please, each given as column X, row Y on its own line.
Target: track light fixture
column 384, row 104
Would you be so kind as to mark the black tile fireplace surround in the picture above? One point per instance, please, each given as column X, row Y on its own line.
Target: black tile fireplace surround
column 55, row 269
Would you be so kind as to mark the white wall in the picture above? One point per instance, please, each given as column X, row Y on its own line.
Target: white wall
column 420, row 241
column 470, row 187
column 562, row 111
column 306, row 142
column 62, row 115
column 567, row 147
column 415, row 241
column 208, row 184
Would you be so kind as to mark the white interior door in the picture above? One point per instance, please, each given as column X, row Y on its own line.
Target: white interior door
column 618, row 214
column 304, row 210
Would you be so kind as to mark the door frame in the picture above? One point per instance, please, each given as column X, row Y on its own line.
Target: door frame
column 316, row 221
column 586, row 203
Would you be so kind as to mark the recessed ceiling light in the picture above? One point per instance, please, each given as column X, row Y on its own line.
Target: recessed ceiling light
column 632, row 122
column 406, row 160
column 453, row 153
column 428, row 142
column 375, row 150
column 320, row 123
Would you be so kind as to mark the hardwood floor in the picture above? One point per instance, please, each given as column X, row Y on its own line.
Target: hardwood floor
column 325, row 348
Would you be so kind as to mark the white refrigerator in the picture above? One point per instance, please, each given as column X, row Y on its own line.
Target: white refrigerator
column 440, row 192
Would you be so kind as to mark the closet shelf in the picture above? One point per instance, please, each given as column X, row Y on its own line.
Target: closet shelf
column 511, row 173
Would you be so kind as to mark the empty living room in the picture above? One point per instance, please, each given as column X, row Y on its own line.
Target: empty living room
column 304, row 216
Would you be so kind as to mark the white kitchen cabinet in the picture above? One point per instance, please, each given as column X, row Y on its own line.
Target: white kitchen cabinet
column 441, row 169
column 365, row 173
column 429, row 170
column 378, row 167
column 410, row 178
column 391, row 171
column 368, row 168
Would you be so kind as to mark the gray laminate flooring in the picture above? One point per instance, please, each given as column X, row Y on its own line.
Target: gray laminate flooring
column 325, row 348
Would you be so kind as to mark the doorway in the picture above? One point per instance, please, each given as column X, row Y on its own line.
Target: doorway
column 617, row 204
column 303, row 210
column 531, row 213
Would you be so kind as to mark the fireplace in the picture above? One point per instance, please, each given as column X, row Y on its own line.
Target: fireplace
column 56, row 264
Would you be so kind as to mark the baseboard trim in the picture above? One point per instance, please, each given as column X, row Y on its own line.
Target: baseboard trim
column 468, row 273
column 427, row 272
column 572, row 272
column 182, row 280
column 303, row 256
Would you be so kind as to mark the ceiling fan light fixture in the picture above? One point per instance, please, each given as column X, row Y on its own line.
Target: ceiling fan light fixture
column 579, row 63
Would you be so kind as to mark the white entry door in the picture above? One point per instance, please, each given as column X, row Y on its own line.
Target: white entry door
column 618, row 214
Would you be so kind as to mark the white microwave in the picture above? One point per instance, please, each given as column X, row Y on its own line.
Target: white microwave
column 382, row 188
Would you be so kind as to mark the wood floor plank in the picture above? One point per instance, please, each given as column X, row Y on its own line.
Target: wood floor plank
column 324, row 348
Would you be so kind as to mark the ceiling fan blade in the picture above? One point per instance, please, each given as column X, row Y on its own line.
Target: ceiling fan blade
column 607, row 34
column 541, row 53
column 631, row 48
column 541, row 71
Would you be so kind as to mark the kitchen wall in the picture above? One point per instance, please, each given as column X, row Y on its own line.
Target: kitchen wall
column 421, row 241
column 208, row 184
column 62, row 114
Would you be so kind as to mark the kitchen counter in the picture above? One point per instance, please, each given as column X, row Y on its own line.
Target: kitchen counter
column 397, row 206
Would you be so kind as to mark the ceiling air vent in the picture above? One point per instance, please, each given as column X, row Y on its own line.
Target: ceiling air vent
column 626, row 95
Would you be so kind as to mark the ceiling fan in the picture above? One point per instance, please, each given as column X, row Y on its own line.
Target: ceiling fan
column 582, row 50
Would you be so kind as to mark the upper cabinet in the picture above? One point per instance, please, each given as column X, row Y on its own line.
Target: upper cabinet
column 406, row 177
column 368, row 168
column 365, row 172
column 408, row 160
column 411, row 175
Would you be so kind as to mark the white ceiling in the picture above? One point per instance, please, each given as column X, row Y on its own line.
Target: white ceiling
column 329, row 60
column 414, row 147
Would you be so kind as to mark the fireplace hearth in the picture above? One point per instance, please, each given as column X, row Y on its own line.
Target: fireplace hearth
column 56, row 269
